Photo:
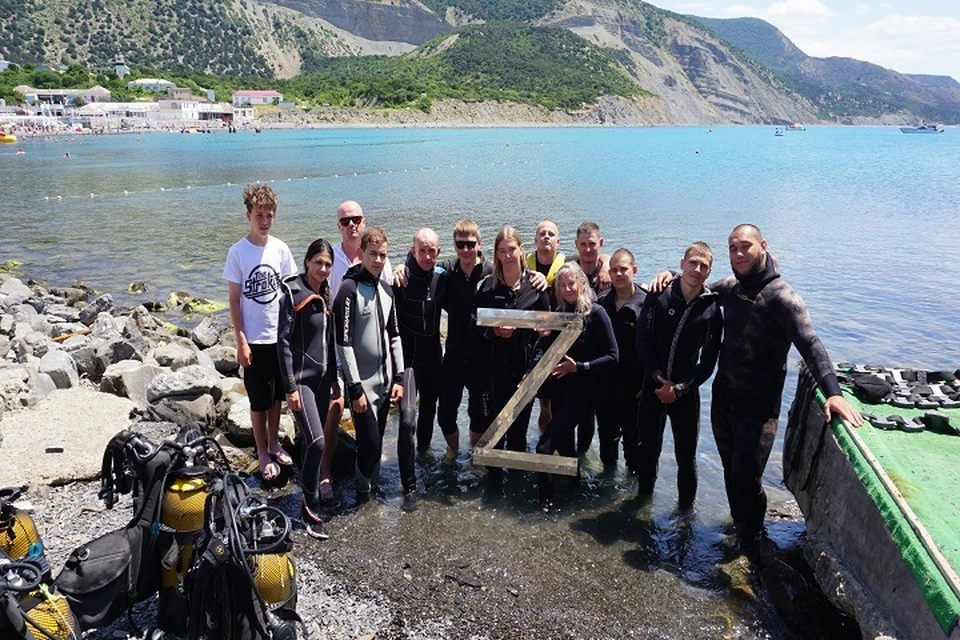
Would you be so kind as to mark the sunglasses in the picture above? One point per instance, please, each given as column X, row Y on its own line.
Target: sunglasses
column 465, row 244
column 348, row 220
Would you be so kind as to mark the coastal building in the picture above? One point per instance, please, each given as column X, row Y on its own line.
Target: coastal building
column 4, row 64
column 247, row 97
column 55, row 102
column 153, row 85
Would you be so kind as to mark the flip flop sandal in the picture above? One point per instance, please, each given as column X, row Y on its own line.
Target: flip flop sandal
column 283, row 459
column 270, row 471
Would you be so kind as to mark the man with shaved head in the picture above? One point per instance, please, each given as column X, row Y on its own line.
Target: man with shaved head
column 419, row 303
column 762, row 317
column 346, row 253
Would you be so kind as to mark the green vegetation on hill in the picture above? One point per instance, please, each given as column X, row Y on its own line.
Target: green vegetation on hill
column 497, row 10
column 550, row 67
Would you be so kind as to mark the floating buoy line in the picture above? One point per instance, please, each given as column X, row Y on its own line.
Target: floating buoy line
column 354, row 174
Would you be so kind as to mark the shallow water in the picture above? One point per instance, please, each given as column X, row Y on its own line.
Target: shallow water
column 863, row 221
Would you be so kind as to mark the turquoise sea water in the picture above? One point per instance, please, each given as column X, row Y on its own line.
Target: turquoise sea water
column 863, row 220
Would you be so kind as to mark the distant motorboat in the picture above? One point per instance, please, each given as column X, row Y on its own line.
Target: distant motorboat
column 778, row 132
column 925, row 127
column 796, row 126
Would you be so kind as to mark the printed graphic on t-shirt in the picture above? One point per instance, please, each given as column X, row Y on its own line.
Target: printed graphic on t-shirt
column 262, row 285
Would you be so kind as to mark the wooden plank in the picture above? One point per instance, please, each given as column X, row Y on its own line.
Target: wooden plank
column 570, row 325
column 560, row 465
column 526, row 319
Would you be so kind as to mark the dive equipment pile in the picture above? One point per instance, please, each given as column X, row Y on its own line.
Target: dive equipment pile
column 219, row 558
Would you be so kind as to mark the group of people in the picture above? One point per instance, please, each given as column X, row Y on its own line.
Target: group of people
column 349, row 328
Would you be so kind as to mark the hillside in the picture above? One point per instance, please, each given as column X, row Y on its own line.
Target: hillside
column 842, row 89
column 408, row 53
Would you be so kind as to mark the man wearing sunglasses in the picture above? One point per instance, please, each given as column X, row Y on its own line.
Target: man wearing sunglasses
column 346, row 253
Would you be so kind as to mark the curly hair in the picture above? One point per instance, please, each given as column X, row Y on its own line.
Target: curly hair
column 258, row 194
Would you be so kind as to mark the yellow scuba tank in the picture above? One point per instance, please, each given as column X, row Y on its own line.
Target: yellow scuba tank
column 19, row 538
column 275, row 576
column 181, row 519
column 50, row 616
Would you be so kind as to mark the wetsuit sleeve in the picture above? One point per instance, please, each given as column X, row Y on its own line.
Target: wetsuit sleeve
column 709, row 351
column 645, row 343
column 330, row 328
column 284, row 335
column 396, row 345
column 603, row 342
column 343, row 312
column 796, row 319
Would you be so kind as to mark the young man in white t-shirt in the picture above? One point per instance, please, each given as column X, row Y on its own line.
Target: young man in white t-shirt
column 255, row 267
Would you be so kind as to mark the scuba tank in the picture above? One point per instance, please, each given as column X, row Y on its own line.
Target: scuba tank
column 270, row 558
column 19, row 538
column 181, row 526
column 28, row 607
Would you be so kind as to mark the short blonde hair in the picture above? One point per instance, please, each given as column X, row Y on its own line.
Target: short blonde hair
column 466, row 228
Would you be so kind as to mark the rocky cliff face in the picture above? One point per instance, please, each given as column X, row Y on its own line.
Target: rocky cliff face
column 696, row 77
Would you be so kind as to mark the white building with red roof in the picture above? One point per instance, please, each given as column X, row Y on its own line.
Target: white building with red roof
column 248, row 97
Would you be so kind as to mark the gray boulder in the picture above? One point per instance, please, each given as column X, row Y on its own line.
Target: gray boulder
column 205, row 335
column 62, row 312
column 15, row 291
column 24, row 313
column 130, row 379
column 4, row 346
column 100, row 305
column 13, row 383
column 61, row 368
column 186, row 411
column 32, row 343
column 43, row 385
column 224, row 359
column 70, row 295
column 114, row 351
column 190, row 381
column 105, row 327
column 177, row 354
column 6, row 323
column 61, row 329
column 236, row 408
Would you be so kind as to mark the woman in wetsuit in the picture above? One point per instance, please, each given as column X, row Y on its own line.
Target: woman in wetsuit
column 575, row 376
column 508, row 287
column 305, row 342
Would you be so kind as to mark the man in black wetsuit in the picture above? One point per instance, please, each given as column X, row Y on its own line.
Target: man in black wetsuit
column 617, row 409
column 762, row 317
column 678, row 340
column 463, row 352
column 418, row 304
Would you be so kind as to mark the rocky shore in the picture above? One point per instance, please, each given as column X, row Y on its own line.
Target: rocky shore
column 473, row 561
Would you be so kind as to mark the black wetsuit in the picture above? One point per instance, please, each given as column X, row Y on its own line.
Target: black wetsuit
column 308, row 364
column 617, row 399
column 418, row 313
column 762, row 317
column 594, row 351
column 587, row 426
column 509, row 357
column 678, row 341
column 464, row 354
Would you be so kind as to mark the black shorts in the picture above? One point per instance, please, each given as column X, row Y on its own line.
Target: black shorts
column 262, row 377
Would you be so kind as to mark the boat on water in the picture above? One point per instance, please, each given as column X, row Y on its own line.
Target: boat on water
column 925, row 127
column 796, row 126
column 7, row 138
column 880, row 501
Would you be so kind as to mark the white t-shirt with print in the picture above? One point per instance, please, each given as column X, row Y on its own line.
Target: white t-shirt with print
column 259, row 272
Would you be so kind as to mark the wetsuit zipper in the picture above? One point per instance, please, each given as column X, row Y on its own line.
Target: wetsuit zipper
column 676, row 338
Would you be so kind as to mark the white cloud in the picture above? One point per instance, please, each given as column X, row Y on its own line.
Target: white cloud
column 786, row 12
column 909, row 44
column 863, row 7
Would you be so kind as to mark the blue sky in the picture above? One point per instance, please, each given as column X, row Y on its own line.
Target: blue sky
column 909, row 36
